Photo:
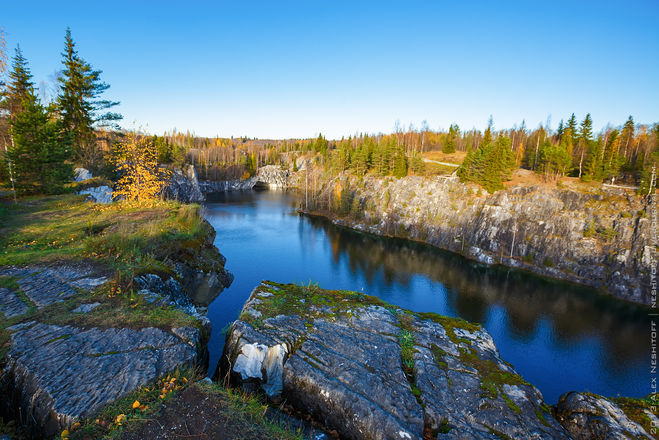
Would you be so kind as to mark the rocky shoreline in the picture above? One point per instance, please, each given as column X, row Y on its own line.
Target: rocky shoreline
column 370, row 370
column 600, row 239
column 79, row 333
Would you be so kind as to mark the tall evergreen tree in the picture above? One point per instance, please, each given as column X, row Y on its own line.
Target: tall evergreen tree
column 584, row 141
column 449, row 144
column 572, row 126
column 627, row 137
column 41, row 152
column 400, row 163
column 559, row 132
column 554, row 160
column 19, row 86
column 490, row 165
column 487, row 136
column 80, row 106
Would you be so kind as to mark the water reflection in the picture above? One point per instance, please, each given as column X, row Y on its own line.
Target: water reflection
column 559, row 336
column 472, row 289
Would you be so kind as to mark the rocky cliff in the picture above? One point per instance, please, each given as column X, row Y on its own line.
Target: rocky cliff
column 599, row 238
column 267, row 177
column 373, row 371
column 183, row 186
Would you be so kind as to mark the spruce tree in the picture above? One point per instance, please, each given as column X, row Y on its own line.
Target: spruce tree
column 80, row 106
column 572, row 126
column 449, row 145
column 400, row 163
column 584, row 142
column 19, row 86
column 627, row 137
column 40, row 154
column 560, row 131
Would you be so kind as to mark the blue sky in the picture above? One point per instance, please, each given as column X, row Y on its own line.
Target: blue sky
column 279, row 69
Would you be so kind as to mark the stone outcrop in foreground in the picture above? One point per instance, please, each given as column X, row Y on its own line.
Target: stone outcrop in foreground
column 589, row 416
column 57, row 374
column 373, row 371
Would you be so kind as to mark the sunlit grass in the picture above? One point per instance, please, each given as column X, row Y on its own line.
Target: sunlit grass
column 57, row 227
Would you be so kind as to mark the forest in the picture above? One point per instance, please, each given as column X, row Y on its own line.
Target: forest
column 43, row 139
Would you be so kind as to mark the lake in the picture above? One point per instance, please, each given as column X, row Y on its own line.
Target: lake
column 558, row 336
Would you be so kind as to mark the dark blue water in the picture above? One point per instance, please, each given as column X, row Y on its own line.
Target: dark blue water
column 559, row 337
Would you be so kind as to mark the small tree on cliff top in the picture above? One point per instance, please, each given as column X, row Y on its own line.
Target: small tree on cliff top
column 140, row 180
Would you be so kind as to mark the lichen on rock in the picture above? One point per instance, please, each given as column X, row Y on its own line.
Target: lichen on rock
column 341, row 358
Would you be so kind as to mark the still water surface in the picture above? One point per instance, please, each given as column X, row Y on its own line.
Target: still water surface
column 558, row 336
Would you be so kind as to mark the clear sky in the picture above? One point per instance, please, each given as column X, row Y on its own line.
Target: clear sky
column 277, row 69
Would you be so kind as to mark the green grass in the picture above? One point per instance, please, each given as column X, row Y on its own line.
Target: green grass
column 239, row 407
column 141, row 239
column 295, row 299
column 127, row 240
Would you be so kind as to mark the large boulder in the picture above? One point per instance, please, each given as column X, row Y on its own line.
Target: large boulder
column 588, row 416
column 373, row 371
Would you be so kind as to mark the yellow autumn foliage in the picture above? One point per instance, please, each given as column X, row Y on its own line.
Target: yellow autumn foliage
column 136, row 161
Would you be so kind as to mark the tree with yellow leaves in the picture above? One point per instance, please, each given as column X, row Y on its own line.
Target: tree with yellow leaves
column 140, row 179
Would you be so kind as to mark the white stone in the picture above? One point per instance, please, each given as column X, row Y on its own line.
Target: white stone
column 81, row 174
column 273, row 364
column 100, row 194
column 250, row 361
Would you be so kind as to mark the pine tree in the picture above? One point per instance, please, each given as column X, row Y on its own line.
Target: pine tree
column 594, row 163
column 489, row 165
column 464, row 172
column 560, row 131
column 555, row 160
column 19, row 87
column 487, row 137
column 80, row 106
column 572, row 126
column 449, row 144
column 584, row 141
column 140, row 180
column 400, row 163
column 627, row 137
column 40, row 151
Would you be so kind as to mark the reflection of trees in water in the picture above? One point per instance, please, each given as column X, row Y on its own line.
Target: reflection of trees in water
column 574, row 312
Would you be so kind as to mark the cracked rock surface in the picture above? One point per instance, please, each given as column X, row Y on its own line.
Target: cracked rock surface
column 338, row 356
column 589, row 416
column 56, row 375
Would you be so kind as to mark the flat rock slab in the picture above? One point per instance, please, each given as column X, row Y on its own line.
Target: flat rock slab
column 45, row 285
column 10, row 304
column 338, row 356
column 65, row 373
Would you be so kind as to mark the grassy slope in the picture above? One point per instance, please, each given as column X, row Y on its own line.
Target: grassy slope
column 124, row 241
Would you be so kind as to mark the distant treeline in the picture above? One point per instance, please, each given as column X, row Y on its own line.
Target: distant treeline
column 623, row 154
